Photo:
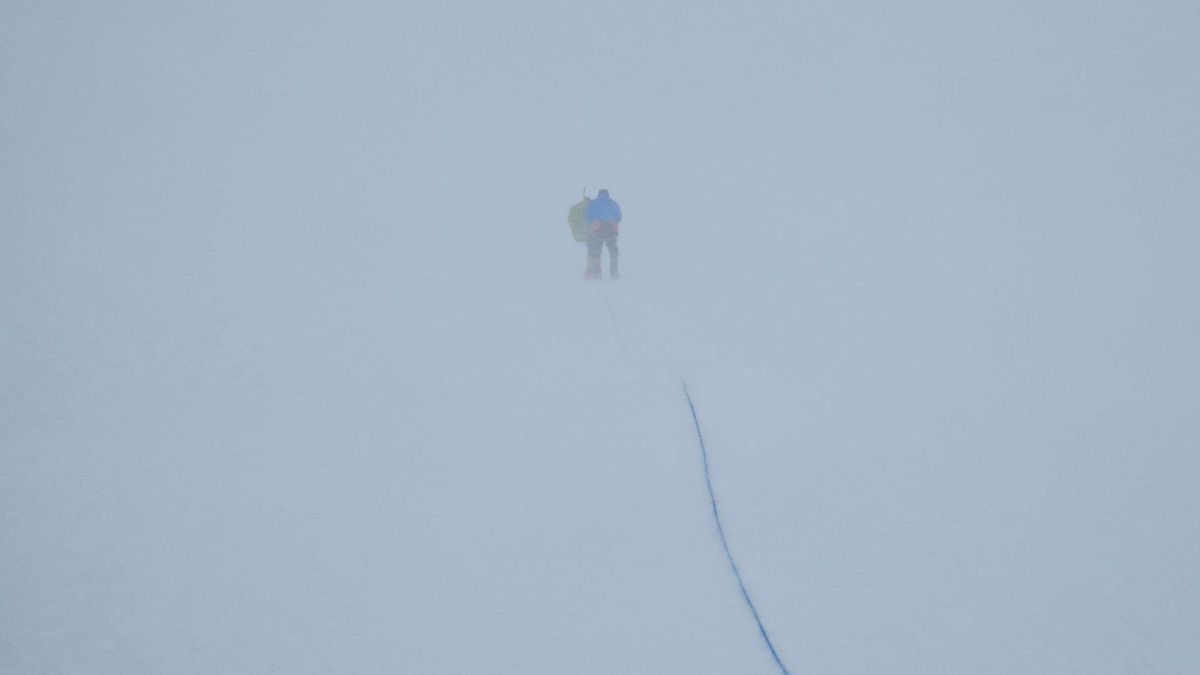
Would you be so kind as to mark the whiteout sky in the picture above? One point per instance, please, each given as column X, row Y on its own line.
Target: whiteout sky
column 297, row 372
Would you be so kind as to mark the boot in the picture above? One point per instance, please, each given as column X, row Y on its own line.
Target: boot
column 612, row 268
column 593, row 267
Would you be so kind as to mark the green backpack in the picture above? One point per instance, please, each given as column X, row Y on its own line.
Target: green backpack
column 577, row 219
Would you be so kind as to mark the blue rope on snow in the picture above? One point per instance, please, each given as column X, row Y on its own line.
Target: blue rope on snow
column 616, row 324
column 712, row 496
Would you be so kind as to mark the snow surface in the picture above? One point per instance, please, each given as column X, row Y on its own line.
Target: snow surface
column 297, row 373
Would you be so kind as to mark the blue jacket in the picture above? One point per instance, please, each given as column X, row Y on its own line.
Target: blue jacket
column 604, row 209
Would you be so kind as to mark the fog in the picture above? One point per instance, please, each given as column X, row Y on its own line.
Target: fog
column 298, row 372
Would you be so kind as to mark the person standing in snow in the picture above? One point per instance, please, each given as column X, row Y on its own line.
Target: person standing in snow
column 603, row 219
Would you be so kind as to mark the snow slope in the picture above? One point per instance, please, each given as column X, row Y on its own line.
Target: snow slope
column 327, row 489
column 469, row 475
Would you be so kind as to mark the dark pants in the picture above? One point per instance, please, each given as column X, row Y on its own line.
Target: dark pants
column 598, row 237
